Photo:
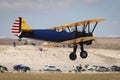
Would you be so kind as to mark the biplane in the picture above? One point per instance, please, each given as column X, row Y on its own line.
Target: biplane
column 78, row 33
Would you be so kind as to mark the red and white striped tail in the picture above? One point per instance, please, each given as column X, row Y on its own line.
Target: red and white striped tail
column 16, row 27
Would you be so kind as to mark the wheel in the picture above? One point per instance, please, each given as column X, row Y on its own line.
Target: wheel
column 19, row 39
column 72, row 56
column 83, row 54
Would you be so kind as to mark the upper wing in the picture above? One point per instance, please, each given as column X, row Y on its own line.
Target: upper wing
column 78, row 40
column 78, row 23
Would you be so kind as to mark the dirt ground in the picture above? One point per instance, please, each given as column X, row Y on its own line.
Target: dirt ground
column 59, row 76
column 106, row 52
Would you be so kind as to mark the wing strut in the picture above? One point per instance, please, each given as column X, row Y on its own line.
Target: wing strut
column 76, row 28
column 84, row 27
column 88, row 27
column 68, row 28
column 94, row 27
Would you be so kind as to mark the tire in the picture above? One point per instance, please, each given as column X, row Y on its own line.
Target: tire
column 73, row 56
column 83, row 54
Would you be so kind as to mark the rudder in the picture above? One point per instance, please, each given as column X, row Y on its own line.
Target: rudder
column 19, row 25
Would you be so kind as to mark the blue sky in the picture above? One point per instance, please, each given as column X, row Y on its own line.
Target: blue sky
column 41, row 14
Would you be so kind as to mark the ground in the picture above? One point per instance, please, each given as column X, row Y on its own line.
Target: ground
column 60, row 76
column 105, row 53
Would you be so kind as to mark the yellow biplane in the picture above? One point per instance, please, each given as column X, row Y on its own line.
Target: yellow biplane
column 78, row 33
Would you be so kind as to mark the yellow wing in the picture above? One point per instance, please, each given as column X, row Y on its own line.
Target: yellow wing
column 73, row 41
column 78, row 23
column 53, row 45
column 79, row 40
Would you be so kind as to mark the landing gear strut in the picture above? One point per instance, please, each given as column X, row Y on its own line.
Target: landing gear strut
column 73, row 55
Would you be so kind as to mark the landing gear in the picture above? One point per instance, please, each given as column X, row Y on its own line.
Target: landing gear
column 73, row 55
column 83, row 53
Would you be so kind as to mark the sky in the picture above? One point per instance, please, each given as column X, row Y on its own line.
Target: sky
column 42, row 14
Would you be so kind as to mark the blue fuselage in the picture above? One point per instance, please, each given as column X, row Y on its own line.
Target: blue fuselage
column 51, row 35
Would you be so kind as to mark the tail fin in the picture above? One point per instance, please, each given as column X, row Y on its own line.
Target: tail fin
column 19, row 25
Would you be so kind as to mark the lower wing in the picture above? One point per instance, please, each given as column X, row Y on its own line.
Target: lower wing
column 79, row 40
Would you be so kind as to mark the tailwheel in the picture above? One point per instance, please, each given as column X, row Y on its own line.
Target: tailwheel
column 73, row 56
column 19, row 39
column 83, row 54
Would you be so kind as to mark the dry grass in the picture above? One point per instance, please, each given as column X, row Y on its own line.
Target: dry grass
column 59, row 76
